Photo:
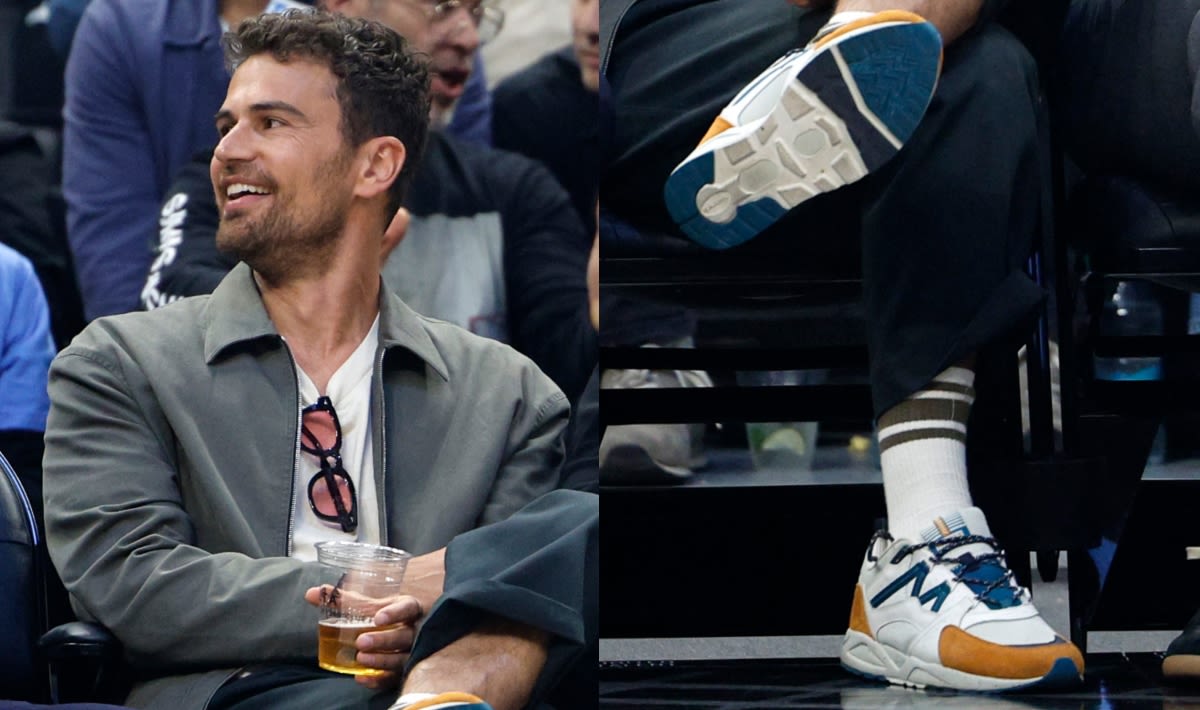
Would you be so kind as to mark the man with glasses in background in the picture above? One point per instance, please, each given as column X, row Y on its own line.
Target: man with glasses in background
column 197, row 453
column 494, row 244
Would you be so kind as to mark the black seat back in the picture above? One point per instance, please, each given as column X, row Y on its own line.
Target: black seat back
column 22, row 615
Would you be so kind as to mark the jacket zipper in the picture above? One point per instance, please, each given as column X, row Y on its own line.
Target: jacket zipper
column 381, row 470
column 295, row 455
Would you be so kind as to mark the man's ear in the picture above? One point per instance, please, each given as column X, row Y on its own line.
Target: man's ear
column 381, row 160
column 394, row 233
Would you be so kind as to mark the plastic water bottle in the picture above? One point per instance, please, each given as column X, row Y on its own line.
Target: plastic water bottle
column 1132, row 308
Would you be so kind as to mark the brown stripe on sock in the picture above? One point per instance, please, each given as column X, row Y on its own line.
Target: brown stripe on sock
column 940, row 386
column 934, row 408
column 888, row 442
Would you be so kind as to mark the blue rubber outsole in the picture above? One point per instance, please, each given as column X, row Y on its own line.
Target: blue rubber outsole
column 895, row 70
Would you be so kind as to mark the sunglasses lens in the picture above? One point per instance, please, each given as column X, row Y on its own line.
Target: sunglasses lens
column 322, row 497
column 320, row 431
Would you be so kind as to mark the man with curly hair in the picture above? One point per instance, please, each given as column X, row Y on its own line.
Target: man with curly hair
column 182, row 442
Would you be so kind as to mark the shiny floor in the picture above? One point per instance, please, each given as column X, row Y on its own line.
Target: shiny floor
column 1114, row 680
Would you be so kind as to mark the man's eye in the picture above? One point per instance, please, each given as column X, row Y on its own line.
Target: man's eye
column 223, row 129
column 273, row 123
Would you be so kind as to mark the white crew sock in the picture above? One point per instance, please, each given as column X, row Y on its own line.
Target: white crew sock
column 923, row 453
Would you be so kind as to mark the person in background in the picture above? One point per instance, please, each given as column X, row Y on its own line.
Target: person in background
column 549, row 111
column 26, row 349
column 143, row 80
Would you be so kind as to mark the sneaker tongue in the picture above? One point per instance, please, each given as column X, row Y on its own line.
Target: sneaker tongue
column 967, row 521
column 977, row 575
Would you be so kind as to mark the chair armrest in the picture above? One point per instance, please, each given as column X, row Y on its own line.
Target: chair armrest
column 79, row 639
column 86, row 664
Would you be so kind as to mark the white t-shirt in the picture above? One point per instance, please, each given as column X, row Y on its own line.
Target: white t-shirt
column 350, row 390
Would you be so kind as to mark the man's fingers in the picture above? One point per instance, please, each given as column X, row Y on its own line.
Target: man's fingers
column 390, row 662
column 389, row 641
column 402, row 610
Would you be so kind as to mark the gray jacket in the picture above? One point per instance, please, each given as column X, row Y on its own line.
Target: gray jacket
column 169, row 469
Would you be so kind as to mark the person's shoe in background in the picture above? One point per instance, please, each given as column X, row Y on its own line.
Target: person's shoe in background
column 818, row 118
column 633, row 454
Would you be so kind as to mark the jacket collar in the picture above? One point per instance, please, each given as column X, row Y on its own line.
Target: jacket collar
column 235, row 314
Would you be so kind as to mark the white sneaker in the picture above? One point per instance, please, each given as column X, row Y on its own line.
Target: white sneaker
column 651, row 453
column 945, row 612
column 818, row 118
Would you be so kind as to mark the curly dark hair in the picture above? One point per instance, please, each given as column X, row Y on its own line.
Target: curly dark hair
column 382, row 87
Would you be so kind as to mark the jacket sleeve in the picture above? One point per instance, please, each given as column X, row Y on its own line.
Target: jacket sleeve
column 534, row 450
column 108, row 166
column 186, row 259
column 124, row 545
column 581, row 467
column 545, row 263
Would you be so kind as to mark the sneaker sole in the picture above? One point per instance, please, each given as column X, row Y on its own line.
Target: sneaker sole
column 846, row 113
column 866, row 657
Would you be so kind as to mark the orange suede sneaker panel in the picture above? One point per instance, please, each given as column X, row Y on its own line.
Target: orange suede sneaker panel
column 718, row 127
column 858, row 613
column 961, row 651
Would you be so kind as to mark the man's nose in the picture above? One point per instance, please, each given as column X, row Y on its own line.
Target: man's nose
column 463, row 29
column 232, row 146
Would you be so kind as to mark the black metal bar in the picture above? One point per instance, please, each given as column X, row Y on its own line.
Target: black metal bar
column 732, row 359
column 745, row 404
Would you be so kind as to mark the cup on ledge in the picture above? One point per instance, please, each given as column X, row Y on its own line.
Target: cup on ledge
column 782, row 445
column 370, row 579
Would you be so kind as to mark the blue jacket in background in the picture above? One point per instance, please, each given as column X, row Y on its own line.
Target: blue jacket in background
column 26, row 347
column 143, row 81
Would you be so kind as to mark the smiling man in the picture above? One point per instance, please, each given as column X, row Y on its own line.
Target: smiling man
column 179, row 445
column 493, row 245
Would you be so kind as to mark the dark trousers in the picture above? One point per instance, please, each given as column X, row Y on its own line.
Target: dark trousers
column 943, row 231
column 1130, row 102
column 540, row 567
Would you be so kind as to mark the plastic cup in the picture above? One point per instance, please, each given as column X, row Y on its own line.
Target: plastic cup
column 782, row 445
column 370, row 579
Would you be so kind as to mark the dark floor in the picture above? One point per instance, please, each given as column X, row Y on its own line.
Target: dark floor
column 1113, row 681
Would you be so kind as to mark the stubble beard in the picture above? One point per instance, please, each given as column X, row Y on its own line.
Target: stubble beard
column 281, row 247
